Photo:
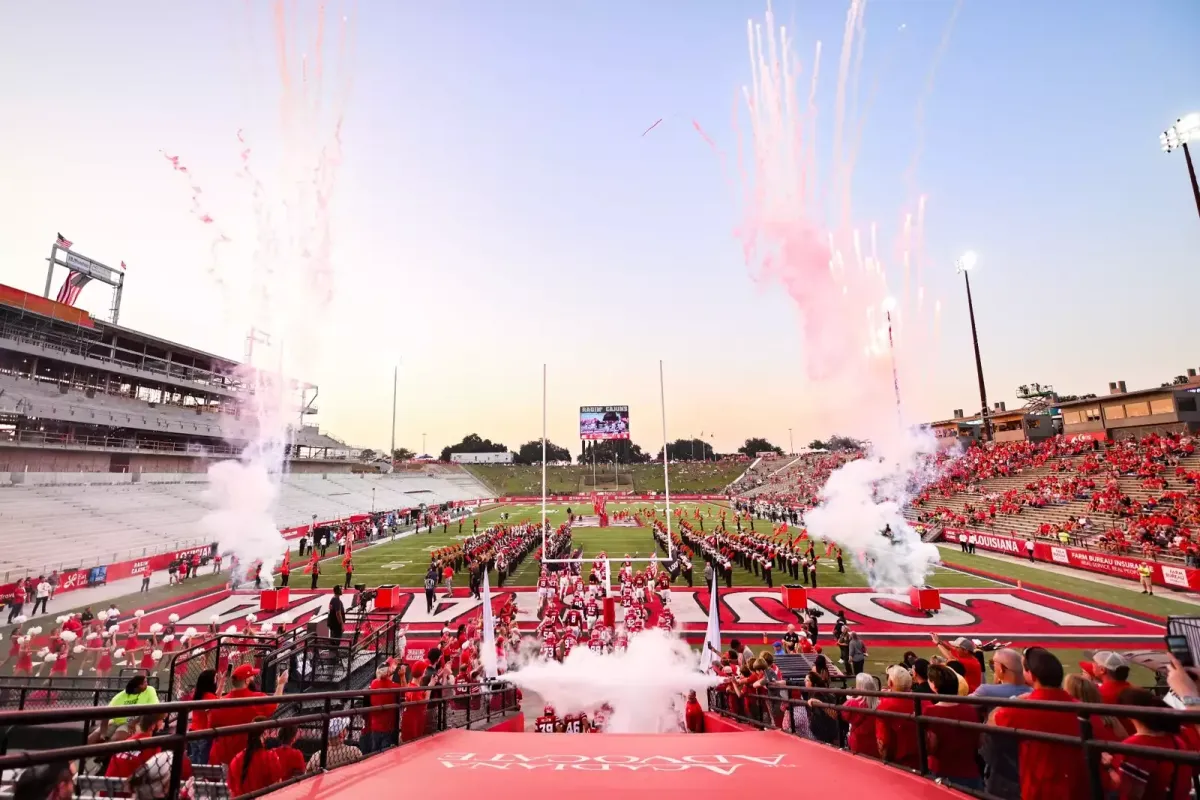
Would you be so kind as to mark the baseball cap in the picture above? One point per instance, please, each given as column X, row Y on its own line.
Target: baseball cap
column 1106, row 660
column 963, row 643
column 243, row 672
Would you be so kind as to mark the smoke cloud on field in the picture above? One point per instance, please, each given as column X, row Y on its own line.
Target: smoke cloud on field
column 645, row 686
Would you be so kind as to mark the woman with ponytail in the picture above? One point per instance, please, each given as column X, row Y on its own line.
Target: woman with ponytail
column 255, row 767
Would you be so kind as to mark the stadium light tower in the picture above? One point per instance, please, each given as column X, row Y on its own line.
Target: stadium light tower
column 965, row 263
column 1186, row 129
column 791, row 444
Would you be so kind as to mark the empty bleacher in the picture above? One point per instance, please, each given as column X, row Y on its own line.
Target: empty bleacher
column 71, row 520
column 44, row 399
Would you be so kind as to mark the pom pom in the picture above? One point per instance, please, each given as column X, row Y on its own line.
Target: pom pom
column 79, row 648
column 119, row 652
column 35, row 630
column 156, row 627
column 156, row 655
column 92, row 635
column 139, row 613
column 51, row 657
column 214, row 618
column 61, row 619
column 251, row 618
column 68, row 636
column 21, row 619
column 190, row 632
column 102, row 616
column 267, row 627
column 22, row 639
column 172, row 618
column 168, row 638
column 231, row 629
column 43, row 652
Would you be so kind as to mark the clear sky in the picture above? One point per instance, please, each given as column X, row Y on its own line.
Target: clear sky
column 497, row 207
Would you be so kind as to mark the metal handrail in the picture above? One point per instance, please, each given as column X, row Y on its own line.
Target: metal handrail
column 1090, row 746
column 177, row 741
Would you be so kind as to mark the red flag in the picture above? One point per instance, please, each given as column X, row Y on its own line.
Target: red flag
column 287, row 561
column 349, row 557
column 312, row 562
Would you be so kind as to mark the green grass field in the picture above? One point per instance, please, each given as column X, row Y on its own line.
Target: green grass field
column 405, row 561
column 686, row 478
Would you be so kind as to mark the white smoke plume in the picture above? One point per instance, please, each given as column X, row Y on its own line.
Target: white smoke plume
column 867, row 495
column 290, row 276
column 645, row 686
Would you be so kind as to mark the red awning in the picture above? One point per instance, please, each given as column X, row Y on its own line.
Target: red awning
column 520, row 766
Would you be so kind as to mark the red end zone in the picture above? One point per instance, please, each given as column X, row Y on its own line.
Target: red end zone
column 1021, row 615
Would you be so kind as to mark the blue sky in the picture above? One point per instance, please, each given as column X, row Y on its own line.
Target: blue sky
column 498, row 208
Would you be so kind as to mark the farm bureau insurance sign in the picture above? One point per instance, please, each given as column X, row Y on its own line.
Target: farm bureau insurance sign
column 1093, row 561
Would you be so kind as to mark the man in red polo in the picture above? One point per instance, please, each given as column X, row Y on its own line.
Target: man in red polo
column 1049, row 771
column 962, row 650
column 226, row 747
column 1110, row 671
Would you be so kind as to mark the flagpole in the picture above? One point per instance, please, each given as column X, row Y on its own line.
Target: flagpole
column 395, row 380
column 662, row 393
column 545, row 555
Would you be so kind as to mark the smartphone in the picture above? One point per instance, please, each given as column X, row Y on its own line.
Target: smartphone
column 1177, row 645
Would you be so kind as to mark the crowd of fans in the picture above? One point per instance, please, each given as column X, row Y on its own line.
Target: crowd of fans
column 1129, row 497
column 994, row 761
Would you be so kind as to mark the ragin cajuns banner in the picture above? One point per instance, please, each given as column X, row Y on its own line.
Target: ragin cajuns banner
column 1004, row 613
column 1178, row 577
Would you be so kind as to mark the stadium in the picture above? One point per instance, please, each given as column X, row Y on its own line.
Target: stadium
column 209, row 593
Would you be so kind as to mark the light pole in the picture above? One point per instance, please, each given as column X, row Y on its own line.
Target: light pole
column 1186, row 129
column 965, row 264
column 791, row 444
column 423, row 445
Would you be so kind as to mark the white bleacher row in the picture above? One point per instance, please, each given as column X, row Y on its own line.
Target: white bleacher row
column 42, row 399
column 71, row 520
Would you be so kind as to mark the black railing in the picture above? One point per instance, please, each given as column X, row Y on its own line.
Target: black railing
column 443, row 707
column 762, row 710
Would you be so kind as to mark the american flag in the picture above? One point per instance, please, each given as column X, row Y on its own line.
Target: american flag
column 64, row 242
column 122, row 266
column 71, row 288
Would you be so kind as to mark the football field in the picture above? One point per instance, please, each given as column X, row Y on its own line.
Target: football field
column 404, row 561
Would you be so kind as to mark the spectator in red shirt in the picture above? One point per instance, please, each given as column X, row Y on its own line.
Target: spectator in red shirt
column 291, row 760
column 963, row 649
column 226, row 747
column 1111, row 672
column 123, row 765
column 381, row 727
column 255, row 767
column 897, row 738
column 1143, row 777
column 1049, row 771
column 861, row 739
column 951, row 749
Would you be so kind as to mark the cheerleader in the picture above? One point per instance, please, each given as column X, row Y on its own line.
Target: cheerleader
column 14, row 648
column 24, row 657
column 59, row 660
column 93, row 642
column 133, row 643
column 104, row 663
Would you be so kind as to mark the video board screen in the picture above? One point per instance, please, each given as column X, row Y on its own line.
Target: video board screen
column 604, row 422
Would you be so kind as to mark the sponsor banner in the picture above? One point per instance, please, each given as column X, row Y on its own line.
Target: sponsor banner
column 1090, row 560
column 82, row 578
column 1004, row 613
